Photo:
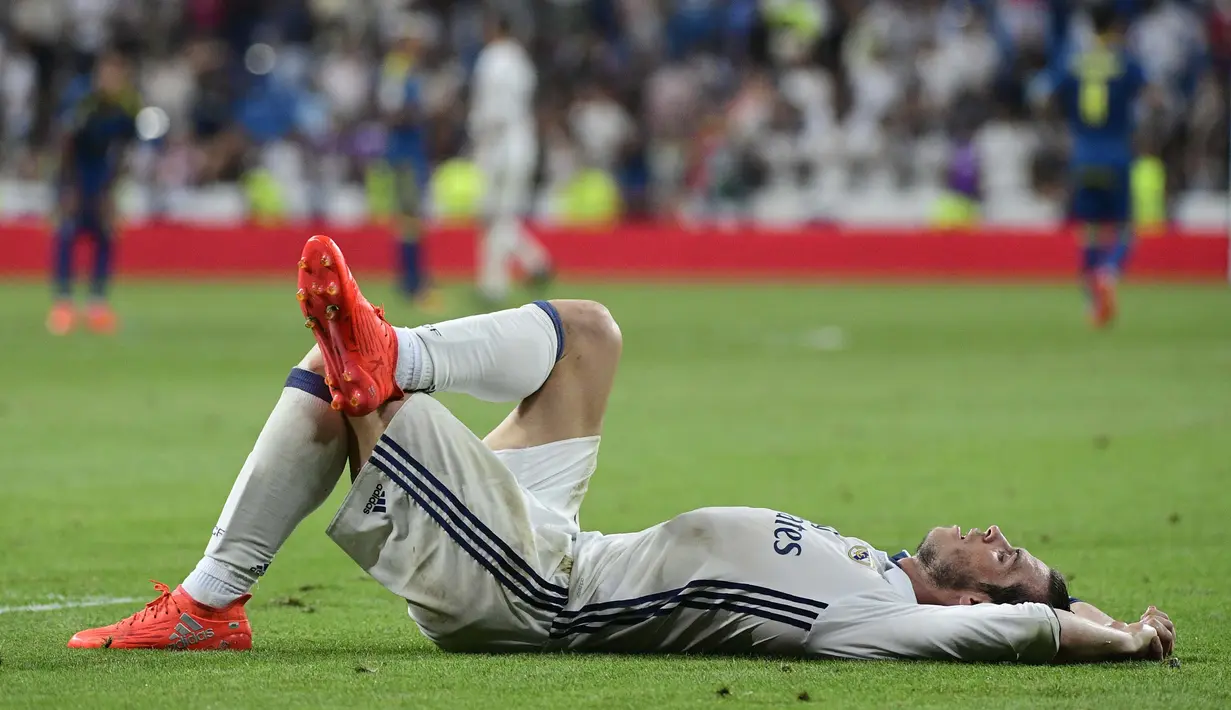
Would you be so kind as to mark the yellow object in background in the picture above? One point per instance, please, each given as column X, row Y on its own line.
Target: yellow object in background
column 590, row 198
column 381, row 188
column 457, row 189
column 1149, row 195
column 801, row 17
column 264, row 196
column 954, row 210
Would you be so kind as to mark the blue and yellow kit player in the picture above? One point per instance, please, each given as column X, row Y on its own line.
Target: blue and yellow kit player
column 1097, row 87
column 406, row 155
column 103, row 123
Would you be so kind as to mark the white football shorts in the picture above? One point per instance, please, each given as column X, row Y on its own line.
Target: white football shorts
column 478, row 542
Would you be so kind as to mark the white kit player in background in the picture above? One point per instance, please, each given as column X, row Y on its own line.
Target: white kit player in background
column 482, row 537
column 503, row 134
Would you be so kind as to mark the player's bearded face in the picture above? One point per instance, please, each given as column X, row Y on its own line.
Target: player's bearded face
column 947, row 566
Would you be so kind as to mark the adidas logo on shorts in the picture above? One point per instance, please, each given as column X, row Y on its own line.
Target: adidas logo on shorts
column 376, row 502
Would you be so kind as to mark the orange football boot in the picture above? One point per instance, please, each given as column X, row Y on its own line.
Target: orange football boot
column 175, row 621
column 101, row 319
column 61, row 319
column 359, row 346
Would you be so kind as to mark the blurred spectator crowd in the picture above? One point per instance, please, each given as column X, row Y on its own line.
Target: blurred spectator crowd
column 776, row 108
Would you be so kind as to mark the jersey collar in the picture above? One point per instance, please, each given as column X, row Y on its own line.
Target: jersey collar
column 898, row 579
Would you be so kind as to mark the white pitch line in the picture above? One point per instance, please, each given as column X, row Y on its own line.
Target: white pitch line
column 70, row 604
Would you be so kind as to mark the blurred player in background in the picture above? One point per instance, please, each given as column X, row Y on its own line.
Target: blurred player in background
column 502, row 131
column 101, row 125
column 1097, row 87
column 401, row 104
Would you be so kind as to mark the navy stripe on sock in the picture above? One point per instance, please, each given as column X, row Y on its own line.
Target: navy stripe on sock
column 310, row 382
column 554, row 315
column 416, row 490
column 474, row 524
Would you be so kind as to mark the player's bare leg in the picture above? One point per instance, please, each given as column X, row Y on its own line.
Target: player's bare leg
column 573, row 400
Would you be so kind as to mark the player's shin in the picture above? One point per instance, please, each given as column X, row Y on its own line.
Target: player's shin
column 499, row 357
column 297, row 460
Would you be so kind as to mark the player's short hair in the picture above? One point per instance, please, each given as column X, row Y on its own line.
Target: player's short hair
column 1103, row 16
column 1057, row 593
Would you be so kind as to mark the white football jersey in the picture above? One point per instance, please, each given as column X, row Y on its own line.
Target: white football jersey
column 502, row 93
column 751, row 580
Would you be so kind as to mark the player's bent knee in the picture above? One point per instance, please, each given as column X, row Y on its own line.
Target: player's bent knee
column 588, row 327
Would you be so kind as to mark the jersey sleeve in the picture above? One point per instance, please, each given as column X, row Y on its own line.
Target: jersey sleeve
column 881, row 627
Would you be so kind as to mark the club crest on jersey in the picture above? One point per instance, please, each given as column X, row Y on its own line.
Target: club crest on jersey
column 862, row 555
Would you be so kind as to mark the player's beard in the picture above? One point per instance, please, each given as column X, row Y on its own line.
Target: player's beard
column 945, row 574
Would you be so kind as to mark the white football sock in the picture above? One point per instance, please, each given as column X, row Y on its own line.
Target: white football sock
column 504, row 356
column 292, row 469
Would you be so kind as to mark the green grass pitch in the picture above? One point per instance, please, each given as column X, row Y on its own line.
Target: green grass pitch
column 1107, row 454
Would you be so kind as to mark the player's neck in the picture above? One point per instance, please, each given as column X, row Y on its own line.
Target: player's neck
column 926, row 591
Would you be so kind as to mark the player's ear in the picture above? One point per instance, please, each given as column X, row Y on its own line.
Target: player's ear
column 971, row 598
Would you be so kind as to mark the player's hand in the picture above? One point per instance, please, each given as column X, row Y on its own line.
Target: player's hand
column 1162, row 623
column 1152, row 638
column 1143, row 641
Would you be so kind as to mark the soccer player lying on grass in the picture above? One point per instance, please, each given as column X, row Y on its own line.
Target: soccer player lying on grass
column 482, row 539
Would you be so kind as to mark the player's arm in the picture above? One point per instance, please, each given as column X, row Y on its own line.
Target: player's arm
column 886, row 627
column 1089, row 612
column 1086, row 641
column 1026, row 633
